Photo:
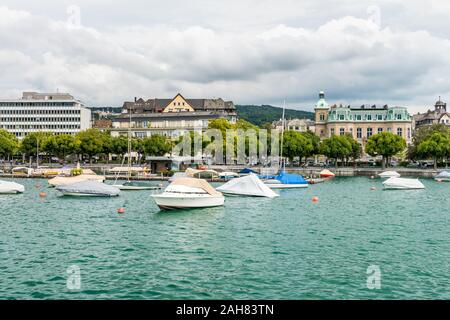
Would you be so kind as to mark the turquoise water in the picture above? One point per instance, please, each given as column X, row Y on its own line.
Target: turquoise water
column 252, row 248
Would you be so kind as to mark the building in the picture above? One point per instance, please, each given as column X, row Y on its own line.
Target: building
column 299, row 125
column 438, row 115
column 170, row 117
column 361, row 122
column 58, row 113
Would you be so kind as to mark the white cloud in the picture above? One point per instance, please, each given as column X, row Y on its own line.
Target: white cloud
column 353, row 59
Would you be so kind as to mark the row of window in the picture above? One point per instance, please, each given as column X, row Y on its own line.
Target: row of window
column 369, row 132
column 36, row 104
column 17, row 119
column 36, row 111
column 40, row 126
column 24, row 134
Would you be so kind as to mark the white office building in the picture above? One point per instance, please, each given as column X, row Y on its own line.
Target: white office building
column 58, row 113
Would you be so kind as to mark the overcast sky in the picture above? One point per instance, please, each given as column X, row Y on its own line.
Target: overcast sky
column 251, row 52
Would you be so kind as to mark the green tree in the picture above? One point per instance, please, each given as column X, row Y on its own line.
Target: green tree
column 8, row 143
column 119, row 146
column 355, row 150
column 423, row 133
column 29, row 144
column 385, row 144
column 336, row 147
column 92, row 142
column 156, row 145
column 436, row 145
column 296, row 144
column 61, row 145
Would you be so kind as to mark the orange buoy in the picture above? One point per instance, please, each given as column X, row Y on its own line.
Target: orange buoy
column 121, row 210
column 42, row 194
column 315, row 199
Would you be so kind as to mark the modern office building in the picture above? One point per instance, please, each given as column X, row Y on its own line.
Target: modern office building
column 361, row 122
column 170, row 117
column 438, row 116
column 58, row 113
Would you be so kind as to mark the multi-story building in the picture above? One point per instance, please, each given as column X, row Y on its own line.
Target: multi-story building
column 170, row 117
column 299, row 125
column 361, row 122
column 438, row 116
column 58, row 113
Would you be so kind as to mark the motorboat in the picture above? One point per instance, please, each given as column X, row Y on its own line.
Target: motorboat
column 246, row 171
column 228, row 175
column 249, row 185
column 61, row 181
column 326, row 174
column 7, row 187
column 178, row 175
column 443, row 176
column 201, row 174
column 89, row 188
column 389, row 174
column 136, row 185
column 186, row 193
column 403, row 183
column 285, row 181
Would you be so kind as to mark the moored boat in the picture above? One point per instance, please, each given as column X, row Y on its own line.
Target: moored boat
column 249, row 185
column 402, row 183
column 389, row 174
column 285, row 181
column 443, row 176
column 90, row 188
column 136, row 185
column 61, row 181
column 228, row 175
column 326, row 174
column 184, row 193
column 9, row 187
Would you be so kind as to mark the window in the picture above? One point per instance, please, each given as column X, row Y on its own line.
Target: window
column 379, row 117
column 399, row 131
column 341, row 117
column 399, row 117
column 369, row 117
column 369, row 132
column 332, row 131
column 380, row 130
column 359, row 133
column 389, row 129
column 358, row 117
column 409, row 133
column 322, row 117
column 341, row 131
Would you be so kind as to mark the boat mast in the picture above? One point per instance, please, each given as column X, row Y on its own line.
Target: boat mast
column 282, row 136
column 129, row 146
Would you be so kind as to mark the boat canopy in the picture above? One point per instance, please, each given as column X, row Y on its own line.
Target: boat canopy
column 126, row 169
column 403, row 183
column 247, row 171
column 89, row 187
column 290, row 178
column 195, row 183
column 194, row 173
column 444, row 174
column 10, row 187
column 388, row 174
column 249, row 185
column 56, row 181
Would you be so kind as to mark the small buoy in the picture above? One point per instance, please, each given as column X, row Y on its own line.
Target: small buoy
column 42, row 194
column 439, row 180
column 37, row 185
column 372, row 177
column 315, row 199
column 373, row 188
column 121, row 210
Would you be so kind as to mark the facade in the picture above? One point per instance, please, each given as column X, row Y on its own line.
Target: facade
column 361, row 122
column 58, row 113
column 170, row 117
column 438, row 116
column 299, row 125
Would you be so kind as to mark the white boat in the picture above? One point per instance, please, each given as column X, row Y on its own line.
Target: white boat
column 186, row 193
column 136, row 185
column 403, row 183
column 249, row 185
column 178, row 175
column 8, row 187
column 61, row 181
column 89, row 188
column 443, row 176
column 389, row 174
column 228, row 175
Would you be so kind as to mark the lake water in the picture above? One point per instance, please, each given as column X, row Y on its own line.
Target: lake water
column 252, row 248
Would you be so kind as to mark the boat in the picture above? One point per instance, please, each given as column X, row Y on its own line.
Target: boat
column 136, row 185
column 389, row 174
column 443, row 176
column 286, row 181
column 402, row 183
column 7, row 187
column 90, row 188
column 315, row 180
column 178, row 175
column 228, row 175
column 326, row 174
column 61, row 180
column 249, row 185
column 184, row 193
column 22, row 171
column 247, row 171
column 201, row 174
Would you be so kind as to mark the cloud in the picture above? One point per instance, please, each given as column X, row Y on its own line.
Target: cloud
column 355, row 60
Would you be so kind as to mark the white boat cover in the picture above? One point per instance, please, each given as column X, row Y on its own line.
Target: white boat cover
column 126, row 169
column 194, row 173
column 89, row 187
column 403, row 183
column 10, row 187
column 444, row 175
column 194, row 183
column 59, row 181
column 249, row 185
column 389, row 174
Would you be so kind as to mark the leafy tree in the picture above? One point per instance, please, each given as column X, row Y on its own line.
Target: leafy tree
column 436, row 145
column 92, row 142
column 385, row 144
column 61, row 145
column 296, row 144
column 421, row 134
column 156, row 145
column 356, row 148
column 119, row 145
column 29, row 144
column 8, row 143
column 336, row 147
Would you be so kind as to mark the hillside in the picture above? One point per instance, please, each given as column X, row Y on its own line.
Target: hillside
column 260, row 115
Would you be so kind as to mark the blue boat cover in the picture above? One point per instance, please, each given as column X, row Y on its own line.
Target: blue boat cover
column 290, row 178
column 247, row 170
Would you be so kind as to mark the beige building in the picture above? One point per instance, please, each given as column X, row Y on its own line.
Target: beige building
column 299, row 125
column 361, row 122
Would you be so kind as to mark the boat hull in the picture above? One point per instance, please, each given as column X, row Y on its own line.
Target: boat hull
column 442, row 179
column 81, row 194
column 286, row 186
column 166, row 202
column 124, row 187
column 401, row 188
